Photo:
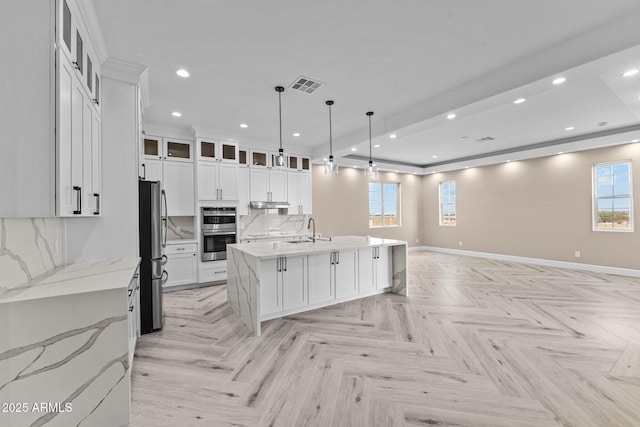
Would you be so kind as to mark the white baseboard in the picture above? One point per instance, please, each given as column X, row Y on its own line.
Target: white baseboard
column 538, row 261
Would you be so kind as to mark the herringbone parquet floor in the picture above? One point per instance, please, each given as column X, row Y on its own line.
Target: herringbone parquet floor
column 478, row 343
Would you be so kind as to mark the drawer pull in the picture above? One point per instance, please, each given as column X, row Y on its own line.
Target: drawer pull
column 130, row 308
column 220, row 272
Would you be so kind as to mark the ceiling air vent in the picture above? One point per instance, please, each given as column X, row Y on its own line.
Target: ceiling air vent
column 306, row 85
column 485, row 139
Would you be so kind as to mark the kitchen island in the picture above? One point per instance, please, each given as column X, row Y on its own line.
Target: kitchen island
column 275, row 279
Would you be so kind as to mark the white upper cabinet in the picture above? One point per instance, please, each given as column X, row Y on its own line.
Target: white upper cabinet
column 243, row 157
column 152, row 147
column 259, row 159
column 244, row 191
column 178, row 184
column 219, row 151
column 217, row 170
column 299, row 193
column 53, row 171
column 178, row 150
column 296, row 162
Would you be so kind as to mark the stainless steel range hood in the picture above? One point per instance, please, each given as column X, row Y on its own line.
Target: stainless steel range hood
column 269, row 205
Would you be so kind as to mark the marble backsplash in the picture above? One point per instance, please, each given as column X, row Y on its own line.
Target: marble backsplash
column 29, row 247
column 180, row 227
column 262, row 222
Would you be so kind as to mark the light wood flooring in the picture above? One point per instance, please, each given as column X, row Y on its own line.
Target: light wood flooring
column 477, row 343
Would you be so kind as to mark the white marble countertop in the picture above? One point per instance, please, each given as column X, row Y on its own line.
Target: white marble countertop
column 269, row 250
column 75, row 279
column 181, row 241
column 272, row 235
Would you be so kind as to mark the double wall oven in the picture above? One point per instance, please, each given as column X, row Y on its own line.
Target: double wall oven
column 218, row 230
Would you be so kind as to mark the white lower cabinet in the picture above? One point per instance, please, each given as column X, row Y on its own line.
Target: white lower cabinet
column 320, row 282
column 344, row 273
column 283, row 285
column 182, row 265
column 212, row 271
column 134, row 312
column 374, row 265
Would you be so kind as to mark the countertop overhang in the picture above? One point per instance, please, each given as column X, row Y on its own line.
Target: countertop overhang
column 72, row 279
column 271, row 250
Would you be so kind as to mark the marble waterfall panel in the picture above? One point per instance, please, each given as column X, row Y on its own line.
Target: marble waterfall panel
column 399, row 269
column 29, row 247
column 67, row 360
column 243, row 287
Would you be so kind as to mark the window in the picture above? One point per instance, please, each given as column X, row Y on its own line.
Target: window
column 448, row 203
column 384, row 204
column 612, row 196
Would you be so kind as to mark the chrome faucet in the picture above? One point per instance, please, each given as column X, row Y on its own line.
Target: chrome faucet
column 313, row 236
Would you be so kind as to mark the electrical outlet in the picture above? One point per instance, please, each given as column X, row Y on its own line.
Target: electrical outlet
column 416, row 240
column 577, row 253
column 460, row 243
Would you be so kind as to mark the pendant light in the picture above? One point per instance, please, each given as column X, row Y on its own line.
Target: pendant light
column 280, row 159
column 370, row 172
column 330, row 167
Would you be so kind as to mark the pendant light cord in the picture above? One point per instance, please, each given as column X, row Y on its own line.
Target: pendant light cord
column 370, row 113
column 280, row 115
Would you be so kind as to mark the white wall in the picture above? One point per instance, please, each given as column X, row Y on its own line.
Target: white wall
column 115, row 233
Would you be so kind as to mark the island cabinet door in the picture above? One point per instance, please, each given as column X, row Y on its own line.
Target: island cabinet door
column 270, row 286
column 320, row 281
column 366, row 269
column 383, row 267
column 294, row 285
column 345, row 273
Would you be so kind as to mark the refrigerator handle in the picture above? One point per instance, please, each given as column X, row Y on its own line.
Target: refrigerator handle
column 165, row 276
column 164, row 260
column 164, row 219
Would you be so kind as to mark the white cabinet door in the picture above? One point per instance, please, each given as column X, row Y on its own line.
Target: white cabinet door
column 96, row 163
column 66, row 198
column 182, row 269
column 152, row 170
column 243, row 191
column 278, row 185
column 366, row 270
column 228, row 183
column 259, row 184
column 270, row 286
column 293, row 191
column 383, row 268
column 294, row 285
column 305, row 192
column 178, row 184
column 87, row 184
column 346, row 283
column 177, row 150
column 320, row 281
column 207, row 180
column 77, row 135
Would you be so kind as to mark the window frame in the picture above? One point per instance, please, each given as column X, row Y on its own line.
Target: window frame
column 398, row 204
column 595, row 197
column 441, row 203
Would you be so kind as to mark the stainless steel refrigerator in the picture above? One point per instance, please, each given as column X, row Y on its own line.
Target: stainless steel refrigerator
column 152, row 218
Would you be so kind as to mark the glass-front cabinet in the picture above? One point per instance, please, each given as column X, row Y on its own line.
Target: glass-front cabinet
column 152, row 147
column 214, row 150
column 243, row 158
column 259, row 158
column 177, row 149
column 299, row 163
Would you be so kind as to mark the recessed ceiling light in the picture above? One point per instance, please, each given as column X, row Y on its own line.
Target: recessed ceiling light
column 354, row 149
column 434, row 157
column 296, row 134
column 630, row 73
column 376, row 146
column 570, row 128
column 519, row 101
column 244, row 125
column 635, row 140
column 466, row 167
column 508, row 161
column 355, row 166
column 182, row 72
column 559, row 80
column 560, row 152
column 176, row 114
column 393, row 136
column 451, row 116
